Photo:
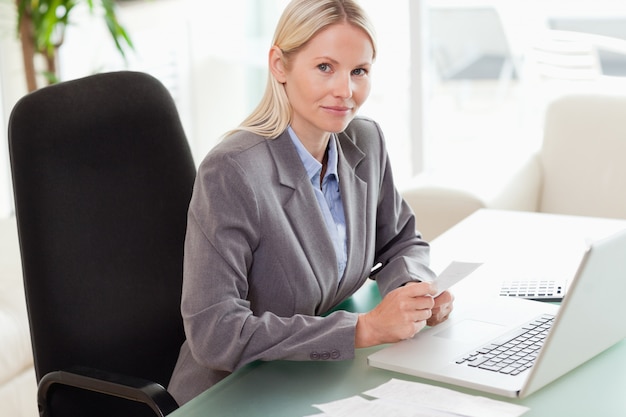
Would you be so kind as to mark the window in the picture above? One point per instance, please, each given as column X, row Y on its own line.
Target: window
column 458, row 85
column 493, row 65
column 213, row 58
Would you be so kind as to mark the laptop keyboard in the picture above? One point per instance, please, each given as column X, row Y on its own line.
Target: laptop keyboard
column 540, row 290
column 513, row 353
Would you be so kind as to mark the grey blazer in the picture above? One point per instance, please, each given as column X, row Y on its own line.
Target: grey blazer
column 260, row 271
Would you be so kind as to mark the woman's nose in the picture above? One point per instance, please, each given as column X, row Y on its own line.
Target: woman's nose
column 343, row 86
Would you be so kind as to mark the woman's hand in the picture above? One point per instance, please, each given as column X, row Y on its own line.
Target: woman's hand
column 401, row 314
column 442, row 308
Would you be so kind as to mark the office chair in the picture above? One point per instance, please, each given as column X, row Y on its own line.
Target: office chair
column 102, row 177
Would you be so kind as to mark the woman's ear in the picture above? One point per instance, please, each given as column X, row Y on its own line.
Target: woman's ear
column 277, row 66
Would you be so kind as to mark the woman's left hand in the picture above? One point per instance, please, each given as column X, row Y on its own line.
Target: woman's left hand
column 442, row 308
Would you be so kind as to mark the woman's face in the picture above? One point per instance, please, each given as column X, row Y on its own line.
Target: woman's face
column 328, row 80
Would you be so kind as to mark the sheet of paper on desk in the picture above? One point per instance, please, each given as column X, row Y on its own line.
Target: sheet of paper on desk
column 444, row 399
column 454, row 273
column 398, row 398
column 359, row 406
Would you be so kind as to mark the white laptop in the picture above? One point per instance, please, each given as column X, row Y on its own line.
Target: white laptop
column 462, row 351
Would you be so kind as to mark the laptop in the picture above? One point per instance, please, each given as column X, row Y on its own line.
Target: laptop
column 461, row 350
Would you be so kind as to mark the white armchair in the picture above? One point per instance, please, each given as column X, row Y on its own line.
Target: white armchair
column 579, row 170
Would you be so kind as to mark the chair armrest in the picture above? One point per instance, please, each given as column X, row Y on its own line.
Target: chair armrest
column 439, row 207
column 439, row 203
column 131, row 388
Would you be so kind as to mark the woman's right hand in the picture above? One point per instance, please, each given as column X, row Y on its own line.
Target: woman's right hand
column 400, row 315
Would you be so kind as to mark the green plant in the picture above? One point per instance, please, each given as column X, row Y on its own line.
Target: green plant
column 41, row 28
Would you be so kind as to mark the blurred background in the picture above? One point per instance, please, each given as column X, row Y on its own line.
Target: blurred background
column 458, row 86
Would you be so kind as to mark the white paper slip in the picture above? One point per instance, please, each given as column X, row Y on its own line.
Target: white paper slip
column 454, row 273
column 359, row 406
column 445, row 400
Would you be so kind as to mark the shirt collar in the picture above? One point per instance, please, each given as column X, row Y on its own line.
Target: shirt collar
column 312, row 165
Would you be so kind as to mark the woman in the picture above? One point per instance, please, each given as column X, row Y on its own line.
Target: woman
column 292, row 210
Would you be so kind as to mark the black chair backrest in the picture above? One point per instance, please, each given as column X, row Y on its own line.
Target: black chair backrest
column 102, row 176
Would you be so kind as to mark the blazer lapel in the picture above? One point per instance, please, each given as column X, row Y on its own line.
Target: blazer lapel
column 304, row 214
column 354, row 197
column 308, row 223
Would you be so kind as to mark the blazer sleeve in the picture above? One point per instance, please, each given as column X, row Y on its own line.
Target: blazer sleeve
column 222, row 330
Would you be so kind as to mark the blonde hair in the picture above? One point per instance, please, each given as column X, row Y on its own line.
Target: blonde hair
column 300, row 22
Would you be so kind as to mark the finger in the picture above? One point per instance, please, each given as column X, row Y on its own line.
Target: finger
column 418, row 289
column 440, row 314
column 417, row 326
column 422, row 315
column 445, row 297
column 412, row 304
column 435, row 321
column 412, row 296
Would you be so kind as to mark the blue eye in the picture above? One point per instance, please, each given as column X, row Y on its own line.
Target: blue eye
column 324, row 67
column 359, row 72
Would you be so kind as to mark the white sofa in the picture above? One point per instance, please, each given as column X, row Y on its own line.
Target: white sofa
column 18, row 386
column 579, row 170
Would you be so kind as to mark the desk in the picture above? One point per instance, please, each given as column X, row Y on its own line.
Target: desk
column 501, row 240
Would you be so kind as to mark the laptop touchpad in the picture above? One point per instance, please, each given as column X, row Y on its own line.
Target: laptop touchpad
column 473, row 331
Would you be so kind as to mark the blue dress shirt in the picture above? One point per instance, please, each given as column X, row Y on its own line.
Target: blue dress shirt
column 328, row 195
